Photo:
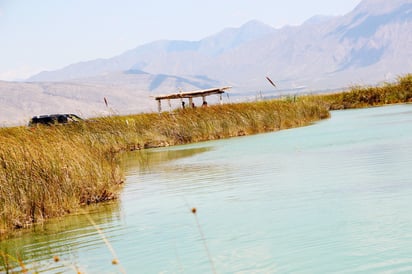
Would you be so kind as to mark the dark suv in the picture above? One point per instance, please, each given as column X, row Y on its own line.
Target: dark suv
column 53, row 119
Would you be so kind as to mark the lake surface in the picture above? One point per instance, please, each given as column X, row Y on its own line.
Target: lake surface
column 331, row 197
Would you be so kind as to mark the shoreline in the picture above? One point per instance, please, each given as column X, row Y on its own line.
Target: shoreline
column 49, row 172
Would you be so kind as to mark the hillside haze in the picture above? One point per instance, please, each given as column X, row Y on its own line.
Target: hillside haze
column 369, row 45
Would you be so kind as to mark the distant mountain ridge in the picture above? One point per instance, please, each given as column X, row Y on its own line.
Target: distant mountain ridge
column 149, row 55
column 371, row 44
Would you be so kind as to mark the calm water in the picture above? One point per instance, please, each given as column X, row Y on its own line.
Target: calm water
column 331, row 197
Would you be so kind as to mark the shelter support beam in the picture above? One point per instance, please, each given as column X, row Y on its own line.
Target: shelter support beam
column 159, row 105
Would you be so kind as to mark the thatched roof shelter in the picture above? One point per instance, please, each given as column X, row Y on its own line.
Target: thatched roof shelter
column 191, row 94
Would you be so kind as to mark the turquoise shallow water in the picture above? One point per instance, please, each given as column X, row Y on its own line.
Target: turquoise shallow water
column 331, row 197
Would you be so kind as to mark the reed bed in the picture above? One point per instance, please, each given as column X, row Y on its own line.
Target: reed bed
column 360, row 97
column 49, row 171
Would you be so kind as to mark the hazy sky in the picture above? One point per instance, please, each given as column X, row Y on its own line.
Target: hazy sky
column 41, row 35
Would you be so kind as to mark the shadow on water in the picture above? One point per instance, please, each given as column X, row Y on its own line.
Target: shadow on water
column 144, row 160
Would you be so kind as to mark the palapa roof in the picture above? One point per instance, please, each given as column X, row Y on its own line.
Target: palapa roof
column 192, row 94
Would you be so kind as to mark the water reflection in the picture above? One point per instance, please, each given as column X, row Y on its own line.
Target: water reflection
column 61, row 237
column 144, row 160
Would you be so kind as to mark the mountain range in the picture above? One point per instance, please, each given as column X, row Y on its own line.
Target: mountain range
column 369, row 45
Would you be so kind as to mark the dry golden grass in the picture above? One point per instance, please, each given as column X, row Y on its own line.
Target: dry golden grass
column 50, row 171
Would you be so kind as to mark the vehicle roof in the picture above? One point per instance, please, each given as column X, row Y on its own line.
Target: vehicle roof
column 56, row 115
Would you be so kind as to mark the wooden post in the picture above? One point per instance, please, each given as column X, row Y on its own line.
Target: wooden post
column 159, row 105
column 204, row 102
column 191, row 102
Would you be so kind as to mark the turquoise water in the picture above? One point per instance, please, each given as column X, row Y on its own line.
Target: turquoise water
column 331, row 197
